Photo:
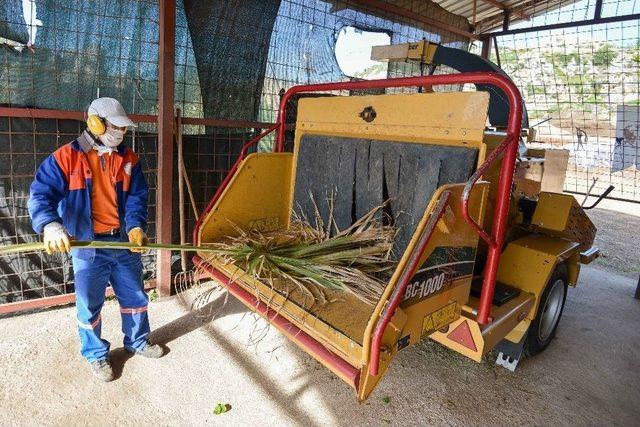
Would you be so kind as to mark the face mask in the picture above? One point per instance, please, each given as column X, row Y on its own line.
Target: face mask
column 112, row 137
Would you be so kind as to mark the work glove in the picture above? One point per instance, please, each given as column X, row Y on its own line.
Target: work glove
column 138, row 236
column 56, row 238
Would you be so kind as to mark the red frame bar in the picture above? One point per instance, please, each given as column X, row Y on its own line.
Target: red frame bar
column 346, row 371
column 43, row 113
column 407, row 274
column 207, row 121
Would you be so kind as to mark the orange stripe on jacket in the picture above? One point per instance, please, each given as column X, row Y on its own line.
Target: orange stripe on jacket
column 73, row 169
column 104, row 206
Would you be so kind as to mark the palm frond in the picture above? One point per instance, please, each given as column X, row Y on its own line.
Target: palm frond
column 355, row 260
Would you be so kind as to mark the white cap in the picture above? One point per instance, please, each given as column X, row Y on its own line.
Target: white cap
column 111, row 110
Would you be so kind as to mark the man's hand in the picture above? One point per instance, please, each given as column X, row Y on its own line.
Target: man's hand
column 138, row 236
column 56, row 238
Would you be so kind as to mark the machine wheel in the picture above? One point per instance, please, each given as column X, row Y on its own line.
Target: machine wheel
column 543, row 327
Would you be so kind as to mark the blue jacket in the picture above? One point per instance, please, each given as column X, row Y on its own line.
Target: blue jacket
column 61, row 192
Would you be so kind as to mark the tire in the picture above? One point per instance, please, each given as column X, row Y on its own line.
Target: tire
column 543, row 328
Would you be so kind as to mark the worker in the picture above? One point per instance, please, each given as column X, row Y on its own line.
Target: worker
column 93, row 189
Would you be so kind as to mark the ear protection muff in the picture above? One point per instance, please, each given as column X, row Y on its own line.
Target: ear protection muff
column 96, row 125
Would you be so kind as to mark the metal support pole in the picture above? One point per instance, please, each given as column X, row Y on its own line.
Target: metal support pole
column 597, row 14
column 495, row 44
column 486, row 47
column 164, row 202
column 574, row 24
column 637, row 295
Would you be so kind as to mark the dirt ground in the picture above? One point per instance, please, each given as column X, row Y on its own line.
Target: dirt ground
column 588, row 375
column 618, row 237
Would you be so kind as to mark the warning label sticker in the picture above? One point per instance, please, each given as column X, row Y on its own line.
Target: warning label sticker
column 440, row 318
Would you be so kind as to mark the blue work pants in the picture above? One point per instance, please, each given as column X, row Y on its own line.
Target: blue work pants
column 123, row 269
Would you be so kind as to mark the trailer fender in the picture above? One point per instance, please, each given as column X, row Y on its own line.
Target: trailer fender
column 527, row 264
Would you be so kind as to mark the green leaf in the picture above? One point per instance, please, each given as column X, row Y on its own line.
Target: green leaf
column 221, row 408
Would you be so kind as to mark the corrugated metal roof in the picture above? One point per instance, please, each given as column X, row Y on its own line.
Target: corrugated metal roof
column 489, row 16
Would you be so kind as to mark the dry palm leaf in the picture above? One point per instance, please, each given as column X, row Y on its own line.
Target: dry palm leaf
column 355, row 260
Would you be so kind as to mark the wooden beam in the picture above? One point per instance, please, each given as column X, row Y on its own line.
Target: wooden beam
column 406, row 13
column 505, row 20
column 502, row 6
column 164, row 202
column 473, row 19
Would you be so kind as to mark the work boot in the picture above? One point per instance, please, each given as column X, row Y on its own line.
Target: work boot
column 101, row 369
column 150, row 351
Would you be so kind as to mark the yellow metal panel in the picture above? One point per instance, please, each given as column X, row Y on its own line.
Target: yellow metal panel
column 562, row 216
column 527, row 263
column 256, row 198
column 301, row 316
column 457, row 234
column 552, row 211
column 505, row 318
column 455, row 118
column 518, row 332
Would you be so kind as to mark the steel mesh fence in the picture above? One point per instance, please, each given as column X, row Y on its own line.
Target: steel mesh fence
column 582, row 86
column 24, row 144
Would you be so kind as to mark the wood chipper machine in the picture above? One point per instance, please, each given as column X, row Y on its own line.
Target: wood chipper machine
column 478, row 265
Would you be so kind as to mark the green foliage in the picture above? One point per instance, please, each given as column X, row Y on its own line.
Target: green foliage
column 604, row 55
column 560, row 59
column 536, row 89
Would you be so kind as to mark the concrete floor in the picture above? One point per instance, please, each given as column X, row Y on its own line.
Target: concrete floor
column 589, row 375
column 620, row 251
